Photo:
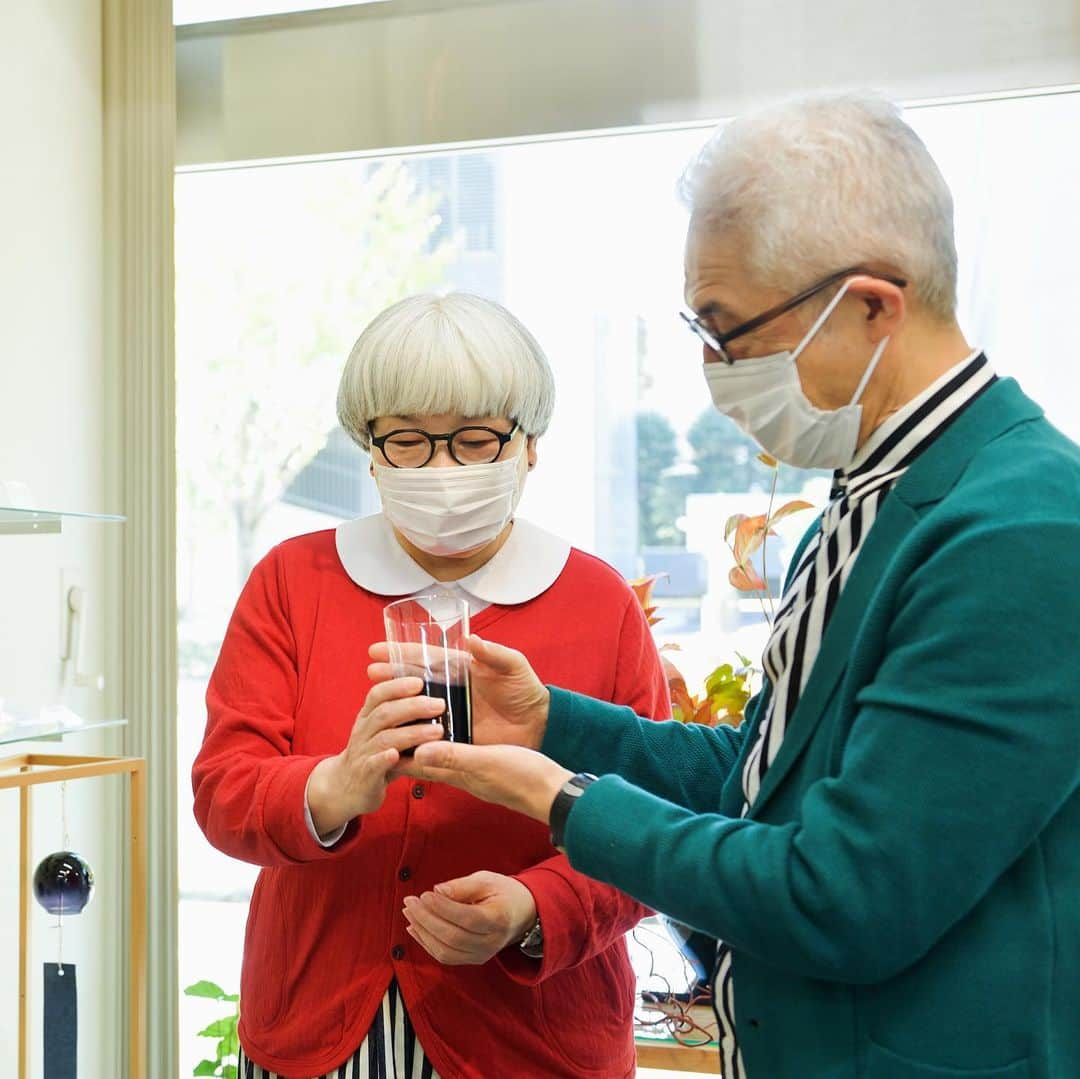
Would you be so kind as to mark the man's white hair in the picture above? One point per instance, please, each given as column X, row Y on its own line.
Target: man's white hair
column 431, row 355
column 820, row 183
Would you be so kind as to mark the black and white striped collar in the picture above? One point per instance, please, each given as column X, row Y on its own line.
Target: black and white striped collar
column 903, row 436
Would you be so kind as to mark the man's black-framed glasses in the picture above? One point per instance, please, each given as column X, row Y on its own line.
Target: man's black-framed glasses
column 412, row 448
column 718, row 342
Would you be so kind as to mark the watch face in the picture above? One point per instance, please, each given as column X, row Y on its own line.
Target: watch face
column 533, row 943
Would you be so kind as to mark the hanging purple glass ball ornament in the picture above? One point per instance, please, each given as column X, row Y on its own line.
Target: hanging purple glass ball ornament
column 63, row 883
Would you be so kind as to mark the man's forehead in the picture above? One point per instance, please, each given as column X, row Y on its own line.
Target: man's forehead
column 712, row 252
column 717, row 283
column 711, row 281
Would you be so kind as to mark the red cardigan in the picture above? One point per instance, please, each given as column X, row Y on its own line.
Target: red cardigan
column 325, row 932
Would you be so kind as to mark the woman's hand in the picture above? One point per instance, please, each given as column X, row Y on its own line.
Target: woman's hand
column 355, row 781
column 509, row 703
column 513, row 776
column 469, row 920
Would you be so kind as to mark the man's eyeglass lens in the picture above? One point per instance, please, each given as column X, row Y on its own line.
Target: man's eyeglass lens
column 705, row 334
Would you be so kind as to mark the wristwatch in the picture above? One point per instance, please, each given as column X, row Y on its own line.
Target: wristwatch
column 571, row 791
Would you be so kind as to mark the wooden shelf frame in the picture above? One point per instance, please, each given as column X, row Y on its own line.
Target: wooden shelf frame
column 27, row 770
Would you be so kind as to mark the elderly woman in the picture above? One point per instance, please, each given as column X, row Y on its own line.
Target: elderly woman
column 400, row 928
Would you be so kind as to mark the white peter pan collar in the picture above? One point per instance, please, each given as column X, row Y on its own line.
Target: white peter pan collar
column 526, row 565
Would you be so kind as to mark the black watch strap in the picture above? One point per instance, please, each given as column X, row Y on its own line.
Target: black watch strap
column 571, row 791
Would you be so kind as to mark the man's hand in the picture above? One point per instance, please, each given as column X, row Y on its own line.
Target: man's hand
column 469, row 920
column 509, row 703
column 513, row 776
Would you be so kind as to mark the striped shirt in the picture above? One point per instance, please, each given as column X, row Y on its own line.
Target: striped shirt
column 390, row 1050
column 810, row 599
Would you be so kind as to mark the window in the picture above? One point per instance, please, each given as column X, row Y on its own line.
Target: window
column 280, row 267
column 201, row 11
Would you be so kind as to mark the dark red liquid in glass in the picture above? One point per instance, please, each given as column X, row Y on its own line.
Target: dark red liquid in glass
column 457, row 719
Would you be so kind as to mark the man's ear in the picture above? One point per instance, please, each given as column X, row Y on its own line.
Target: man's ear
column 884, row 304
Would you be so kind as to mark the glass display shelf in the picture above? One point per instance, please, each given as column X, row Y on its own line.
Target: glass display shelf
column 22, row 520
column 50, row 728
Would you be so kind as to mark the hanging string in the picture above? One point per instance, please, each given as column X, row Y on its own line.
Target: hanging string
column 60, row 917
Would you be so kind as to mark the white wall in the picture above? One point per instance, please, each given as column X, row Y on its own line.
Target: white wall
column 52, row 437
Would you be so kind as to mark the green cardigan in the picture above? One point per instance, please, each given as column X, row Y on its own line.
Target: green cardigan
column 903, row 899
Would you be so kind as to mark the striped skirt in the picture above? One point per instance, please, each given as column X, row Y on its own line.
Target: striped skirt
column 390, row 1050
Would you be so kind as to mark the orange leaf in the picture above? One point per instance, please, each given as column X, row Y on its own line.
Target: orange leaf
column 674, row 676
column 704, row 714
column 679, row 693
column 748, row 537
column 746, row 579
column 683, row 706
column 642, row 589
column 788, row 508
column 732, row 523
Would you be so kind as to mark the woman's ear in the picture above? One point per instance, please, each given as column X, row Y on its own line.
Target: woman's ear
column 530, row 450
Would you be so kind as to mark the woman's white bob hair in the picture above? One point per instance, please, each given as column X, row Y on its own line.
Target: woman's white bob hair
column 434, row 355
column 816, row 184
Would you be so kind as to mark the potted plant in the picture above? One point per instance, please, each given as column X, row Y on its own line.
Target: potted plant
column 726, row 691
column 227, row 1045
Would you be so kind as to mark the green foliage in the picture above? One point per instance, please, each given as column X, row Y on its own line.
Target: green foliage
column 727, row 460
column 661, row 499
column 722, row 455
column 725, row 687
column 726, row 692
column 227, row 1049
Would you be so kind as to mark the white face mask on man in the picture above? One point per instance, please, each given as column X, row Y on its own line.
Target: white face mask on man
column 764, row 396
column 446, row 511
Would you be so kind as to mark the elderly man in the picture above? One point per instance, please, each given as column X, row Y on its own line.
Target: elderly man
column 888, row 846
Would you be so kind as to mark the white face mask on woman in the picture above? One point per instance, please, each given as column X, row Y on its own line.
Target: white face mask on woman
column 764, row 396
column 445, row 511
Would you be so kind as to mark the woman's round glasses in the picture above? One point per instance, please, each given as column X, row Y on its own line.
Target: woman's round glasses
column 413, row 448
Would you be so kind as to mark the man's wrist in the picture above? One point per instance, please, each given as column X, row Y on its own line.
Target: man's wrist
column 550, row 791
